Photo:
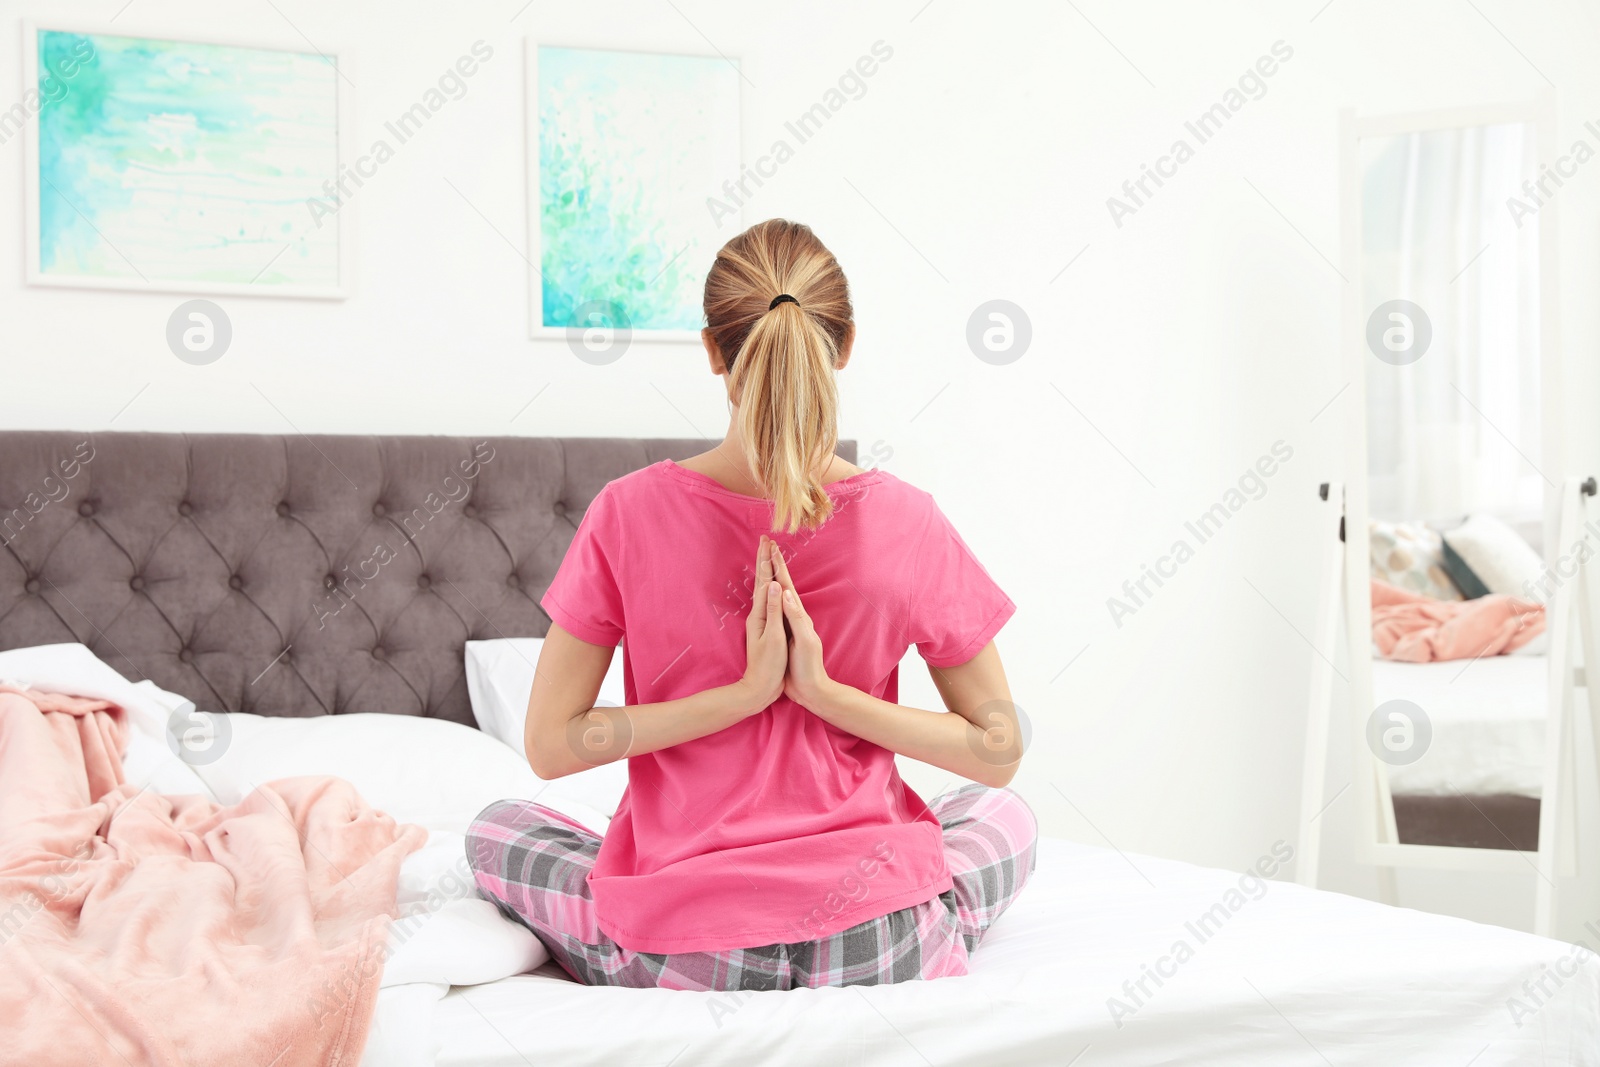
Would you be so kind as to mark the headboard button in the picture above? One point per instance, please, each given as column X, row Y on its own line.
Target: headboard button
column 86, row 509
column 423, row 581
column 185, row 655
column 185, row 509
column 235, row 582
column 136, row 583
column 32, row 586
column 283, row 509
column 513, row 581
column 379, row 653
column 559, row 508
column 379, row 511
column 470, row 511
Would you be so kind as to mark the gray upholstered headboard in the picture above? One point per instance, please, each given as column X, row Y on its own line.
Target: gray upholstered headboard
column 294, row 575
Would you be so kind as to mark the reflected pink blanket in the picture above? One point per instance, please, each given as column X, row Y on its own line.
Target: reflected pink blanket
column 1415, row 628
column 147, row 930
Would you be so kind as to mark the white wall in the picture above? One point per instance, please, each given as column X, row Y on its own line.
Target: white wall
column 1189, row 340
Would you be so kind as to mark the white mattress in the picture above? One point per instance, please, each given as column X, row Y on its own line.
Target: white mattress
column 1293, row 976
column 1488, row 723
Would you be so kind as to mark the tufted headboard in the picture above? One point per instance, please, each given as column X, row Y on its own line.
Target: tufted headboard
column 294, row 575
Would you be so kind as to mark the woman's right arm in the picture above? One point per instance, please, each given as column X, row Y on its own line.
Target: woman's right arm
column 565, row 733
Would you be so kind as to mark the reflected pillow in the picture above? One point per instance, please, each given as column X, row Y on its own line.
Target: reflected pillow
column 1496, row 557
column 1464, row 577
column 1410, row 556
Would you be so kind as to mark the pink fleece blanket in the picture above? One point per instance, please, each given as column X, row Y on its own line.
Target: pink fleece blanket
column 148, row 930
column 1415, row 628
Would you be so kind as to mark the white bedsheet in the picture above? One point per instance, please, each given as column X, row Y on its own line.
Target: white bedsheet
column 1283, row 975
column 1488, row 724
column 1292, row 976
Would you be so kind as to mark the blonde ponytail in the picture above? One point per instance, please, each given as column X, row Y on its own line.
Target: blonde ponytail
column 788, row 412
column 781, row 356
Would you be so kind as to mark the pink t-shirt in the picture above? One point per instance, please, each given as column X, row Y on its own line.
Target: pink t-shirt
column 780, row 828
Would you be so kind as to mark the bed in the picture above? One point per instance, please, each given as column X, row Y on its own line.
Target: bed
column 217, row 569
column 1294, row 976
column 1478, row 784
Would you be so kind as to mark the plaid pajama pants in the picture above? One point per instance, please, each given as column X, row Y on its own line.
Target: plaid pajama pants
column 533, row 864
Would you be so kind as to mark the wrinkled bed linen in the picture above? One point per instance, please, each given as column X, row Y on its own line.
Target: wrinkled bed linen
column 1414, row 628
column 144, row 929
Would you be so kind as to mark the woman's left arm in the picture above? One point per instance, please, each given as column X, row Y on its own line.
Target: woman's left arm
column 981, row 740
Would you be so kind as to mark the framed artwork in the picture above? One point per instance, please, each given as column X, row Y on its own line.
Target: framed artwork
column 626, row 153
column 173, row 165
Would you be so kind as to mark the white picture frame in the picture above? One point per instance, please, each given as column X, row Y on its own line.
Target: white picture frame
column 702, row 248
column 342, row 213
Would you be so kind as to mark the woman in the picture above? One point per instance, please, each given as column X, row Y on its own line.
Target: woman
column 765, row 592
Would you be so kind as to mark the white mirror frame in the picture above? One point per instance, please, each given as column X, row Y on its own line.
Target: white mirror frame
column 1377, row 841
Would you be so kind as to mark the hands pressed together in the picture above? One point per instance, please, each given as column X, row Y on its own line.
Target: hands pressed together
column 783, row 657
column 781, row 660
column 565, row 733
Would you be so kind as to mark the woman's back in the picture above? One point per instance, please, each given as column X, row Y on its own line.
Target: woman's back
column 758, row 833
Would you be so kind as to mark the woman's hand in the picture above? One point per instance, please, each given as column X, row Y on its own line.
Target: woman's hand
column 806, row 681
column 765, row 651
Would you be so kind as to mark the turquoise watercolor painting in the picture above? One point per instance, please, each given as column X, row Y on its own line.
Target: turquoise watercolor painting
column 169, row 163
column 631, row 146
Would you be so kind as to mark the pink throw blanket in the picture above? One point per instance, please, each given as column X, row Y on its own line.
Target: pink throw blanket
column 1415, row 628
column 148, row 930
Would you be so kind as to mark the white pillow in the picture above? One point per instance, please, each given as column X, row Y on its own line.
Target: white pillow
column 1497, row 554
column 499, row 680
column 150, row 760
column 444, row 932
column 431, row 772
column 434, row 773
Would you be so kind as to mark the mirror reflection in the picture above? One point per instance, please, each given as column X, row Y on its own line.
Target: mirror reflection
column 1450, row 287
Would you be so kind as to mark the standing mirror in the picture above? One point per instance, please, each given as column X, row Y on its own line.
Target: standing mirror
column 1456, row 488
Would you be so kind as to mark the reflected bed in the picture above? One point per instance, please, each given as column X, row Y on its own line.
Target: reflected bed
column 1478, row 783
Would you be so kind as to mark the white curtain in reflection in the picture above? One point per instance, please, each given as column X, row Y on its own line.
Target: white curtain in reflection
column 1458, row 431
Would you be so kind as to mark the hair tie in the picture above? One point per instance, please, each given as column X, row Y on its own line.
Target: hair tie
column 782, row 298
